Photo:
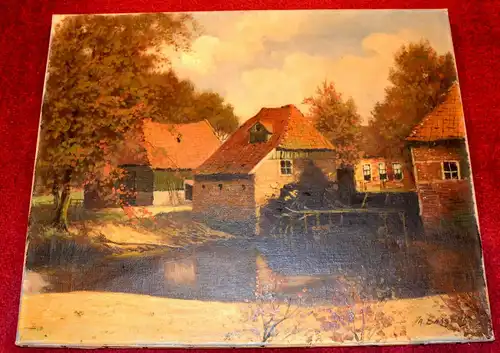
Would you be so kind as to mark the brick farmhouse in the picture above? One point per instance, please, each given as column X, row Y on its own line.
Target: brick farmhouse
column 169, row 164
column 279, row 146
column 276, row 147
column 441, row 164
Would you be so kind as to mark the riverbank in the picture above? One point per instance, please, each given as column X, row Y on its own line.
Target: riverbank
column 113, row 232
column 96, row 319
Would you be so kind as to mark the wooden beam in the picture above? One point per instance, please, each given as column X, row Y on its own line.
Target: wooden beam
column 363, row 204
column 345, row 210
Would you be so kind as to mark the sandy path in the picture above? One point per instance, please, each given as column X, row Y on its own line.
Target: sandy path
column 114, row 319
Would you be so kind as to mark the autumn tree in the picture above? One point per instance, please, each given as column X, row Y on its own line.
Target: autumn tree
column 97, row 91
column 178, row 101
column 220, row 114
column 418, row 81
column 338, row 120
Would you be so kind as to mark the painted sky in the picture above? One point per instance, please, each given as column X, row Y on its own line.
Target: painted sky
column 260, row 59
column 272, row 58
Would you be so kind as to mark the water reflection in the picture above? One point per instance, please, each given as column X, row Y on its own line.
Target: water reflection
column 231, row 270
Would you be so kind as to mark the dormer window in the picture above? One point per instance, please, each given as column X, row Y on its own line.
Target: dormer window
column 259, row 134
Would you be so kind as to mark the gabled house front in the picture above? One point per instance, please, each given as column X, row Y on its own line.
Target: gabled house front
column 441, row 164
column 276, row 147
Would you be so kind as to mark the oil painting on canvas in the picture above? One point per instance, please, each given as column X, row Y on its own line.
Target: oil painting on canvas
column 254, row 178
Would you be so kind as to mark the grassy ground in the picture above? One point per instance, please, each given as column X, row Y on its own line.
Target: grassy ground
column 112, row 319
column 94, row 234
column 48, row 199
column 157, row 227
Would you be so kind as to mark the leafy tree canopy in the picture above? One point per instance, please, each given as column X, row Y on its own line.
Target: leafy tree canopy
column 419, row 79
column 177, row 101
column 97, row 89
column 338, row 120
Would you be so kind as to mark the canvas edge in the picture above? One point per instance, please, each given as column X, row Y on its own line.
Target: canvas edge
column 474, row 200
column 257, row 10
column 20, row 343
column 215, row 345
column 33, row 178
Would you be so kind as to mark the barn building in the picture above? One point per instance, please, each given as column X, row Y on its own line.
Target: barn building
column 158, row 163
column 441, row 165
column 276, row 147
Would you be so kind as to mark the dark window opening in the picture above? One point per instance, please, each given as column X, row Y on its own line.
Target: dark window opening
column 367, row 172
column 131, row 180
column 286, row 167
column 220, row 186
column 188, row 192
column 259, row 134
column 450, row 170
column 382, row 171
column 398, row 171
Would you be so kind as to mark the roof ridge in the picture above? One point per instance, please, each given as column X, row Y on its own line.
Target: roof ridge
column 211, row 127
column 428, row 116
column 238, row 156
column 286, row 125
column 450, row 98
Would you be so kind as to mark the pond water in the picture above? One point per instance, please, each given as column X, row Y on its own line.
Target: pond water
column 232, row 270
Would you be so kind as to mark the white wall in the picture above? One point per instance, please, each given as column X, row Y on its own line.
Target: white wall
column 168, row 198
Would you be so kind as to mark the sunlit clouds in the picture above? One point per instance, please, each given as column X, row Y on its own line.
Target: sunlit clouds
column 272, row 58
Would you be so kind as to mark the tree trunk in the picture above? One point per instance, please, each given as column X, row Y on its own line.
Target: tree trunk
column 61, row 219
column 56, row 194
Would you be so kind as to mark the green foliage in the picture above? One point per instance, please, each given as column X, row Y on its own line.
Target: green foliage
column 220, row 115
column 49, row 246
column 168, row 181
column 177, row 101
column 419, row 79
column 97, row 90
column 338, row 120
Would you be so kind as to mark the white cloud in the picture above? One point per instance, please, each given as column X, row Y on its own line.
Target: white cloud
column 362, row 77
column 200, row 59
column 275, row 61
column 243, row 38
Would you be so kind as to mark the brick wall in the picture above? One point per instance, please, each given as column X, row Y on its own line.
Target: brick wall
column 441, row 199
column 428, row 160
column 269, row 180
column 239, row 200
column 169, row 198
column 224, row 200
column 449, row 200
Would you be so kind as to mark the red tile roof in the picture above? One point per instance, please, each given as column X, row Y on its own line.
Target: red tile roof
column 171, row 146
column 445, row 122
column 290, row 131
